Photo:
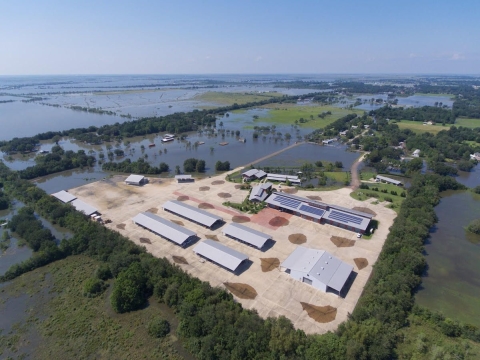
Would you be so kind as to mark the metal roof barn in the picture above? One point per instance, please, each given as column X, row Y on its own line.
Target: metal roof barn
column 246, row 234
column 164, row 228
column 191, row 213
column 388, row 180
column 83, row 207
column 64, row 196
column 220, row 254
column 181, row 178
column 318, row 268
column 135, row 179
column 259, row 192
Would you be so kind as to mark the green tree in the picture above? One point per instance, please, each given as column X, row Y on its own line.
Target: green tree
column 200, row 167
column 158, row 327
column 129, row 290
column 93, row 286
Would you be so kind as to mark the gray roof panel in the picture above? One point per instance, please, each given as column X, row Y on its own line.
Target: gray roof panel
column 220, row 254
column 246, row 234
column 64, row 196
column 79, row 205
column 176, row 233
column 136, row 179
column 338, row 280
column 197, row 215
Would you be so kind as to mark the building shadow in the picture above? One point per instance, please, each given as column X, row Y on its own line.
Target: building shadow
column 192, row 241
column 218, row 224
column 348, row 284
column 268, row 245
column 244, row 266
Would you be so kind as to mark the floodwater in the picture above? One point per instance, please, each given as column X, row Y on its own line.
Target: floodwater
column 452, row 282
column 413, row 100
column 471, row 178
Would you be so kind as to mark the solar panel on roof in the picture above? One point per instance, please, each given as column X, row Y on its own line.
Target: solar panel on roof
column 286, row 201
column 346, row 218
column 312, row 210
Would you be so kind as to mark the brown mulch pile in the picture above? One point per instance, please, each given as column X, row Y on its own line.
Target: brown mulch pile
column 314, row 197
column 218, row 182
column 178, row 222
column 321, row 314
column 121, row 226
column 204, row 188
column 145, row 241
column 361, row 263
column 179, row 259
column 224, row 195
column 290, row 190
column 297, row 239
column 205, row 206
column 153, row 210
column 365, row 210
column 238, row 186
column 182, row 198
column 242, row 291
column 269, row 264
column 342, row 242
column 278, row 221
column 240, row 219
column 212, row 237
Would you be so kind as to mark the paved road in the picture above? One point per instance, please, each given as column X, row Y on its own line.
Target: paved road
column 275, row 153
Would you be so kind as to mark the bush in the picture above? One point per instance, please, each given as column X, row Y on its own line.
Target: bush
column 222, row 166
column 93, row 287
column 364, row 186
column 103, row 272
column 158, row 327
column 388, row 198
column 474, row 227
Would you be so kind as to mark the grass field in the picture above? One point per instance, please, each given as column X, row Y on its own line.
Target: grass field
column 62, row 323
column 227, row 98
column 364, row 194
column 419, row 128
column 286, row 114
column 339, row 176
column 470, row 123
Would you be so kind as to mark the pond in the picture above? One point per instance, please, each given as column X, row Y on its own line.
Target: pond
column 452, row 282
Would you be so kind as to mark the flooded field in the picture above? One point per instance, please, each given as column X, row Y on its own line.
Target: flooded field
column 452, row 283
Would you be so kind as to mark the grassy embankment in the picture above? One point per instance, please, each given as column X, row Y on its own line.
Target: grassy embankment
column 228, row 98
column 286, row 114
column 65, row 324
column 396, row 200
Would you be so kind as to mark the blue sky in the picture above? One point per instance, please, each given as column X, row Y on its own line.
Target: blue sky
column 263, row 36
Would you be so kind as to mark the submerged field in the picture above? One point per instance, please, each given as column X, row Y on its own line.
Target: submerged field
column 228, row 98
column 45, row 314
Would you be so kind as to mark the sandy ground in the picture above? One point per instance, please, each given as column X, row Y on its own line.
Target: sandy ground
column 278, row 293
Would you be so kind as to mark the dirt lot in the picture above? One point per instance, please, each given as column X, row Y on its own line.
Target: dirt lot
column 277, row 293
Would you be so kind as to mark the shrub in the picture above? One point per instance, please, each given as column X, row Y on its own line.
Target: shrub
column 103, row 272
column 388, row 198
column 474, row 227
column 364, row 186
column 158, row 327
column 93, row 287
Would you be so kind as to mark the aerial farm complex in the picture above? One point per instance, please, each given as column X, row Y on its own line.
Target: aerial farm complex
column 298, row 252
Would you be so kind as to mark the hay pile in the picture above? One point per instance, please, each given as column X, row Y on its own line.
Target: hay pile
column 153, row 210
column 314, row 197
column 205, row 206
column 269, row 264
column 179, row 260
column 204, row 188
column 242, row 291
column 218, row 182
column 342, row 242
column 145, row 240
column 212, row 237
column 224, row 195
column 121, row 226
column 321, row 314
column 290, row 190
column 278, row 221
column 365, row 210
column 361, row 263
column 178, row 222
column 240, row 219
column 182, row 198
column 297, row 239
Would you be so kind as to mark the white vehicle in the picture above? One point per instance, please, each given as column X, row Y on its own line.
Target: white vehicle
column 359, row 235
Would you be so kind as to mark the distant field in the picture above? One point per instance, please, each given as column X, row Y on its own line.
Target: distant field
column 286, row 114
column 418, row 127
column 227, row 98
column 470, row 123
column 450, row 96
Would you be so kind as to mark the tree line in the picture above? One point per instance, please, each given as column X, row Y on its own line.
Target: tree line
column 135, row 167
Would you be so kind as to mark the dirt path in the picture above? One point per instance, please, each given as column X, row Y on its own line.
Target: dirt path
column 355, row 182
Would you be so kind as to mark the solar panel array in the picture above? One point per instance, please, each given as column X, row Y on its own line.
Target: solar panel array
column 287, row 201
column 345, row 218
column 312, row 210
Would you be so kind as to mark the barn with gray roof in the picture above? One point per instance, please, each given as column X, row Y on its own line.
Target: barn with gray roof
column 191, row 213
column 220, row 254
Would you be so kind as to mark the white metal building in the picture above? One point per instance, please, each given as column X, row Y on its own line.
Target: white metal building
column 79, row 205
column 220, row 254
column 317, row 268
column 136, row 180
column 64, row 196
column 191, row 213
column 164, row 228
column 246, row 235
